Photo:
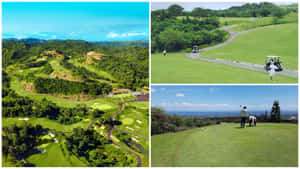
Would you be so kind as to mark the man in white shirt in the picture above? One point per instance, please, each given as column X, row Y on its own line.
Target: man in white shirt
column 272, row 70
column 244, row 115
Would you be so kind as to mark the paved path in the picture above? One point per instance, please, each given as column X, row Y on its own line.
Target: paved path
column 244, row 65
column 139, row 163
column 232, row 35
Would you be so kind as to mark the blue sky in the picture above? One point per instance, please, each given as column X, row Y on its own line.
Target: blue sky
column 223, row 98
column 91, row 21
column 188, row 6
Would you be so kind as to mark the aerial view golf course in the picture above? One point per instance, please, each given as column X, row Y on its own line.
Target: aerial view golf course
column 74, row 102
column 228, row 145
column 230, row 49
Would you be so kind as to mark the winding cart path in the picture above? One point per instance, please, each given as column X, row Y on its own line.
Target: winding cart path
column 139, row 163
column 250, row 66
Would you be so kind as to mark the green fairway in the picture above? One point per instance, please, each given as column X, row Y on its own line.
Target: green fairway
column 226, row 21
column 101, row 103
column 254, row 46
column 44, row 122
column 54, row 157
column 290, row 18
column 178, row 68
column 122, row 97
column 267, row 144
column 135, row 118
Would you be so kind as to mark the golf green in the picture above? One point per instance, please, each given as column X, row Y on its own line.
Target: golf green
column 228, row 145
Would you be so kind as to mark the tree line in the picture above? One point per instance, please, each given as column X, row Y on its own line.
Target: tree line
column 174, row 29
column 129, row 65
column 55, row 85
column 173, row 34
column 164, row 123
column 14, row 105
column 90, row 146
column 19, row 142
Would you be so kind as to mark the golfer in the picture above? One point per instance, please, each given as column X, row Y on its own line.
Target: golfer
column 272, row 70
column 244, row 116
column 164, row 52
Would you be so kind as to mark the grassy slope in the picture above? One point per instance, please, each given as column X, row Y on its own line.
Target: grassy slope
column 252, row 47
column 104, row 104
column 178, row 68
column 291, row 17
column 46, row 123
column 228, row 145
column 95, row 70
column 223, row 20
column 226, row 21
column 54, row 157
column 129, row 117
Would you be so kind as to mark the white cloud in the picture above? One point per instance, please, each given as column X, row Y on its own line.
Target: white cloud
column 53, row 36
column 153, row 90
column 117, row 35
column 179, row 95
column 136, row 34
column 112, row 35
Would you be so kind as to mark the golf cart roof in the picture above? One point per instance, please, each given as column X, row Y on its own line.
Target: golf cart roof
column 273, row 56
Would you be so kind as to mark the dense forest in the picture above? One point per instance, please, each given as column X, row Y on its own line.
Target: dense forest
column 43, row 85
column 174, row 29
column 172, row 34
column 19, row 142
column 14, row 105
column 129, row 65
column 88, row 144
column 164, row 123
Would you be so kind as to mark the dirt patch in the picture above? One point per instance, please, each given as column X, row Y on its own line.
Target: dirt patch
column 75, row 97
column 65, row 76
column 28, row 86
column 53, row 53
column 120, row 91
column 93, row 55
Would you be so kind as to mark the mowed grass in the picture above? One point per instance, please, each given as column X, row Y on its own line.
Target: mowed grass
column 226, row 21
column 54, row 157
column 254, row 46
column 257, row 23
column 227, row 145
column 101, row 103
column 135, row 118
column 44, row 122
column 122, row 97
column 178, row 68
column 289, row 18
column 95, row 70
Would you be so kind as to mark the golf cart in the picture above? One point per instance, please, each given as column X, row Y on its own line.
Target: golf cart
column 275, row 60
column 195, row 49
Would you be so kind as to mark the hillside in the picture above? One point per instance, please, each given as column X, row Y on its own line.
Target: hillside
column 62, row 98
column 254, row 46
column 265, row 145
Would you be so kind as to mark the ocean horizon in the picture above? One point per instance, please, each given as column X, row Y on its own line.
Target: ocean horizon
column 234, row 112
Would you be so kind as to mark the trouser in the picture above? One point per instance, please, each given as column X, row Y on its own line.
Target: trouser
column 243, row 122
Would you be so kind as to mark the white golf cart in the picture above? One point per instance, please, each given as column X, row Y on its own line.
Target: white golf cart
column 276, row 62
column 195, row 49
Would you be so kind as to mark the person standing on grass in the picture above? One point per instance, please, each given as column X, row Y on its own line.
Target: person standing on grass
column 244, row 115
column 272, row 70
column 164, row 52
